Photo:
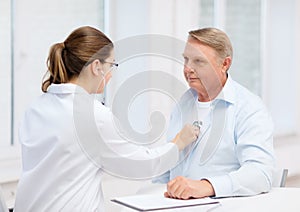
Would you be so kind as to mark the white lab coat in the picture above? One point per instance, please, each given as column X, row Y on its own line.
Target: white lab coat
column 58, row 172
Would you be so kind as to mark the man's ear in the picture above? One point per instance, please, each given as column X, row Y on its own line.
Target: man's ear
column 96, row 67
column 226, row 64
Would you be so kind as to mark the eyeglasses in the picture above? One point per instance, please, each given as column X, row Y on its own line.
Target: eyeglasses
column 113, row 66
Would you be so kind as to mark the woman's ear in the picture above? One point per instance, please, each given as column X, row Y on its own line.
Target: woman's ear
column 96, row 67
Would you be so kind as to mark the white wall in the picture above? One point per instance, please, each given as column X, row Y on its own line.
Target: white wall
column 281, row 76
column 128, row 19
column 5, row 73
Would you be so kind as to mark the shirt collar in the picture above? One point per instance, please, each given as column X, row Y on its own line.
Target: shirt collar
column 65, row 88
column 227, row 94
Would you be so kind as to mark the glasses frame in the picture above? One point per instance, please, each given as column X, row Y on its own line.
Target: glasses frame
column 112, row 64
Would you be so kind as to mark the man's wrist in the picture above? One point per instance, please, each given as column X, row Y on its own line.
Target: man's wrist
column 209, row 189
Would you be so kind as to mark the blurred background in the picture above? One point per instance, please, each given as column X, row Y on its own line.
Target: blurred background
column 264, row 35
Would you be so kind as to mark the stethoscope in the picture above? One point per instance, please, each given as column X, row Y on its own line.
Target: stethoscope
column 197, row 124
column 216, row 125
column 104, row 89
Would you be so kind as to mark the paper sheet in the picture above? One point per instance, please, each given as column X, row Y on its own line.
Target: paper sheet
column 158, row 202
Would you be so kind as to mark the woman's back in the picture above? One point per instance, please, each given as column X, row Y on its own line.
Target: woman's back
column 60, row 175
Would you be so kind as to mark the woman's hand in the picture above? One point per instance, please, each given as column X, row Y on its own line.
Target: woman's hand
column 187, row 135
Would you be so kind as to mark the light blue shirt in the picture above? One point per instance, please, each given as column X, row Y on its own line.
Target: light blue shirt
column 234, row 151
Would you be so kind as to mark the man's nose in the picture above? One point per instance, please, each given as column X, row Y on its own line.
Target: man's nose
column 188, row 69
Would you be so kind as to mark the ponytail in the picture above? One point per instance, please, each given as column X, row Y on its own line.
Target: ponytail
column 56, row 67
column 67, row 59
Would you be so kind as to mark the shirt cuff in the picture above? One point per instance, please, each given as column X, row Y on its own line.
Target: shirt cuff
column 222, row 185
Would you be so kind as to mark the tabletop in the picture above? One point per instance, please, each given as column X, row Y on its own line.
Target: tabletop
column 278, row 199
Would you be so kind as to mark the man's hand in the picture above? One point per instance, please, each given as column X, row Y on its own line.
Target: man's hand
column 183, row 188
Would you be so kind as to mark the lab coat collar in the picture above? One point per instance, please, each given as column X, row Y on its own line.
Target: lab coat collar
column 66, row 88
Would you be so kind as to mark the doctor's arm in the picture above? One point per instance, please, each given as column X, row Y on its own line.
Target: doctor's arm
column 129, row 159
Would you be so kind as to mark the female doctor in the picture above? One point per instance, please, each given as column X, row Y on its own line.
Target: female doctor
column 58, row 173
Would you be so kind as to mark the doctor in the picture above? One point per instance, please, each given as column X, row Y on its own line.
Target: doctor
column 59, row 173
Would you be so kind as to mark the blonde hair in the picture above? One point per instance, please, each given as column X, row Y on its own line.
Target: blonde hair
column 215, row 39
column 67, row 59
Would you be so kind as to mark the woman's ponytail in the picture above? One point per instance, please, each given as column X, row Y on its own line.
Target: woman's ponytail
column 56, row 67
column 66, row 60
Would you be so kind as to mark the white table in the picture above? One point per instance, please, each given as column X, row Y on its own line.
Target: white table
column 277, row 200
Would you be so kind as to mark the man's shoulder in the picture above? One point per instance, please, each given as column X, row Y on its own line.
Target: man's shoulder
column 247, row 102
column 243, row 94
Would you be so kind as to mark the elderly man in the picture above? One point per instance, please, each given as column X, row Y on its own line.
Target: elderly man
column 233, row 155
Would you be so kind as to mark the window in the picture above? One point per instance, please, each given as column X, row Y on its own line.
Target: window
column 264, row 39
column 27, row 30
column 241, row 20
column 243, row 25
column 5, row 73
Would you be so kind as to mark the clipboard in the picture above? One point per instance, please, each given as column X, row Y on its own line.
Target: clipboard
column 159, row 202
